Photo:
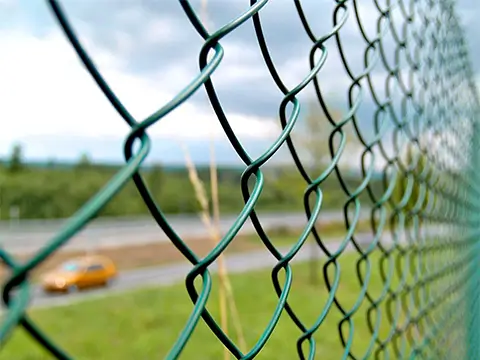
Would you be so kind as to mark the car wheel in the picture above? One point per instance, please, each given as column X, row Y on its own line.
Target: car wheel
column 110, row 281
column 72, row 289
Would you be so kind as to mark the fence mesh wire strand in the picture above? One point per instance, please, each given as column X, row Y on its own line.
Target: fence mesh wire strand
column 427, row 237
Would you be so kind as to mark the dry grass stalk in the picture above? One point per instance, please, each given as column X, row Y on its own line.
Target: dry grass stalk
column 224, row 279
column 225, row 291
column 215, row 236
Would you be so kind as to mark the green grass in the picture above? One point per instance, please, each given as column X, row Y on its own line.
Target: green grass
column 144, row 324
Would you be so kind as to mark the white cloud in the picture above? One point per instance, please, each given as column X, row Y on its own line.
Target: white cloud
column 240, row 65
column 160, row 30
column 44, row 90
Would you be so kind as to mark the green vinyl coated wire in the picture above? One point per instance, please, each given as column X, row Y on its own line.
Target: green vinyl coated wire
column 424, row 56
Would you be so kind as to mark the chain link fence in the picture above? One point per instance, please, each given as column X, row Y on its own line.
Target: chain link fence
column 424, row 222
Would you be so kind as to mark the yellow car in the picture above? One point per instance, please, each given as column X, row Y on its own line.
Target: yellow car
column 80, row 273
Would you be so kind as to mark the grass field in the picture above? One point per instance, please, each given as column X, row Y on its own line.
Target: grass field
column 144, row 324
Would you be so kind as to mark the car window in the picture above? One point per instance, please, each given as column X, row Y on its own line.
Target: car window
column 70, row 267
column 95, row 267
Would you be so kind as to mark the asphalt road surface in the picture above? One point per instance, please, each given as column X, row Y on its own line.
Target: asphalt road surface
column 170, row 274
column 30, row 235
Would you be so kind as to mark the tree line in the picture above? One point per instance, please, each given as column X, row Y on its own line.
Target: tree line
column 54, row 190
column 59, row 190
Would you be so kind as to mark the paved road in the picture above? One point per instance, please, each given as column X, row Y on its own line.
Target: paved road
column 31, row 235
column 170, row 274
column 167, row 275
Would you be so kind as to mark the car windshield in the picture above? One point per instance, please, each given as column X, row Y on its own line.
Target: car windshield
column 70, row 267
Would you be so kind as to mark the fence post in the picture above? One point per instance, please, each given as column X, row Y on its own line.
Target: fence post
column 473, row 295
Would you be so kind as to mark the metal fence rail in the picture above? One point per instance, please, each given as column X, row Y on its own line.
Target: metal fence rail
column 431, row 178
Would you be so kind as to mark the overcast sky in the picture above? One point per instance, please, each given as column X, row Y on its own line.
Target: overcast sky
column 148, row 52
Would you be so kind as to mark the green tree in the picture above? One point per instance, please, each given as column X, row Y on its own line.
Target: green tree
column 412, row 185
column 51, row 163
column 313, row 138
column 155, row 179
column 16, row 159
column 84, row 162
